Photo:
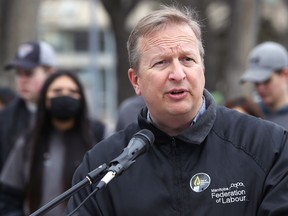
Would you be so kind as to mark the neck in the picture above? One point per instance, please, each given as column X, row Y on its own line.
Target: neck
column 173, row 129
column 31, row 106
column 277, row 106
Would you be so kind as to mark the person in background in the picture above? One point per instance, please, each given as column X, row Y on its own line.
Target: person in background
column 245, row 105
column 128, row 111
column 6, row 96
column 33, row 63
column 41, row 165
column 268, row 70
column 205, row 159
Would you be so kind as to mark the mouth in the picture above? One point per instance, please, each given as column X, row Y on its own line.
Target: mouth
column 177, row 92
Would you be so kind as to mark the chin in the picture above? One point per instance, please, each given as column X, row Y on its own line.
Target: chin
column 179, row 112
column 26, row 97
column 266, row 101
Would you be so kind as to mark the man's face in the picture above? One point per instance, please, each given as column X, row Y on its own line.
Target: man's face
column 273, row 91
column 171, row 74
column 29, row 82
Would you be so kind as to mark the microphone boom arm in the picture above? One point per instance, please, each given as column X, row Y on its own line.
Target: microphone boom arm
column 89, row 180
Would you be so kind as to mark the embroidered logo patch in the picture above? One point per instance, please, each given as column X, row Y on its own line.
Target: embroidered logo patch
column 200, row 182
column 234, row 193
column 24, row 50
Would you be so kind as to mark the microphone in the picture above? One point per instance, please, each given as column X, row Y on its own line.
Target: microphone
column 139, row 144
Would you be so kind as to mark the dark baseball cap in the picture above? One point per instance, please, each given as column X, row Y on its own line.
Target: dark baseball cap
column 32, row 54
column 264, row 60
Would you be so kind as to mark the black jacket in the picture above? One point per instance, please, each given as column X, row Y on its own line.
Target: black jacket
column 15, row 119
column 226, row 164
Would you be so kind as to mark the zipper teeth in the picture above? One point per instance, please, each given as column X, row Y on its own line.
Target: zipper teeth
column 173, row 142
column 177, row 176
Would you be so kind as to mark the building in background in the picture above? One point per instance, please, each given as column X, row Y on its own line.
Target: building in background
column 80, row 32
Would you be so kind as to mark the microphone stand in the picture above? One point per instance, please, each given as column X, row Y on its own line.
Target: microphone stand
column 89, row 180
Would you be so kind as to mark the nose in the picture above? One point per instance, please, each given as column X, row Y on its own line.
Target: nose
column 68, row 92
column 65, row 92
column 177, row 71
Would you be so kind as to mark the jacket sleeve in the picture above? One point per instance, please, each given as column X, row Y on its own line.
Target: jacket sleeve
column 1, row 142
column 90, row 207
column 275, row 191
column 12, row 182
column 11, row 201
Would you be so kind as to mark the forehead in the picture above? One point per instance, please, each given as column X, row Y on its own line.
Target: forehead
column 63, row 82
column 173, row 36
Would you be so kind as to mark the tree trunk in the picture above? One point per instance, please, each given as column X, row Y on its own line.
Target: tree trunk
column 18, row 20
column 242, row 37
column 118, row 12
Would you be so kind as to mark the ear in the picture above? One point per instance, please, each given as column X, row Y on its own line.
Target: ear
column 285, row 71
column 49, row 70
column 134, row 79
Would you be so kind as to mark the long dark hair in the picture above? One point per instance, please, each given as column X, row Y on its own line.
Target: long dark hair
column 40, row 140
column 247, row 104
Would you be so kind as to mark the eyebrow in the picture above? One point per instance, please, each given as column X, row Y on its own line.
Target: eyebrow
column 61, row 88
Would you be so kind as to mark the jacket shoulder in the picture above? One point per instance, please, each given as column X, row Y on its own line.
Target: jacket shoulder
column 14, row 106
column 260, row 139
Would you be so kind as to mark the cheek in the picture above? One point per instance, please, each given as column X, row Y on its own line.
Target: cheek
column 150, row 81
column 273, row 87
column 283, row 85
column 202, row 81
column 197, row 81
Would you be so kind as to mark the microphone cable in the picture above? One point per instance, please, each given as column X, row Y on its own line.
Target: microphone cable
column 76, row 209
column 138, row 145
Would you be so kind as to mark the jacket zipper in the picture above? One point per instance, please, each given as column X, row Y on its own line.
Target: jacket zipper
column 177, row 171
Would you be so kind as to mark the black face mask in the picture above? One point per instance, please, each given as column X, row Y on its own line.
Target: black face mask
column 64, row 107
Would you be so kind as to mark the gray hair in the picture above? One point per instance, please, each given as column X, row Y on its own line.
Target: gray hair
column 158, row 20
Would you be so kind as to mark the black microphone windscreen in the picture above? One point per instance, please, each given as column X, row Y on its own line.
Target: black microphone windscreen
column 148, row 135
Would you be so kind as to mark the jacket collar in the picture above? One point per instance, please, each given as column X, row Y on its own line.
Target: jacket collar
column 195, row 134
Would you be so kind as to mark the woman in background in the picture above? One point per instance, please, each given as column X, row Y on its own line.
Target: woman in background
column 42, row 163
column 245, row 105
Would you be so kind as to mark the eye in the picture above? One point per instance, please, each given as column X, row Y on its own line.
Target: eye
column 159, row 63
column 266, row 82
column 74, row 93
column 188, row 59
column 57, row 91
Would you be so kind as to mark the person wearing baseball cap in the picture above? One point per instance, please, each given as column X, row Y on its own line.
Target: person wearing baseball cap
column 268, row 70
column 33, row 63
